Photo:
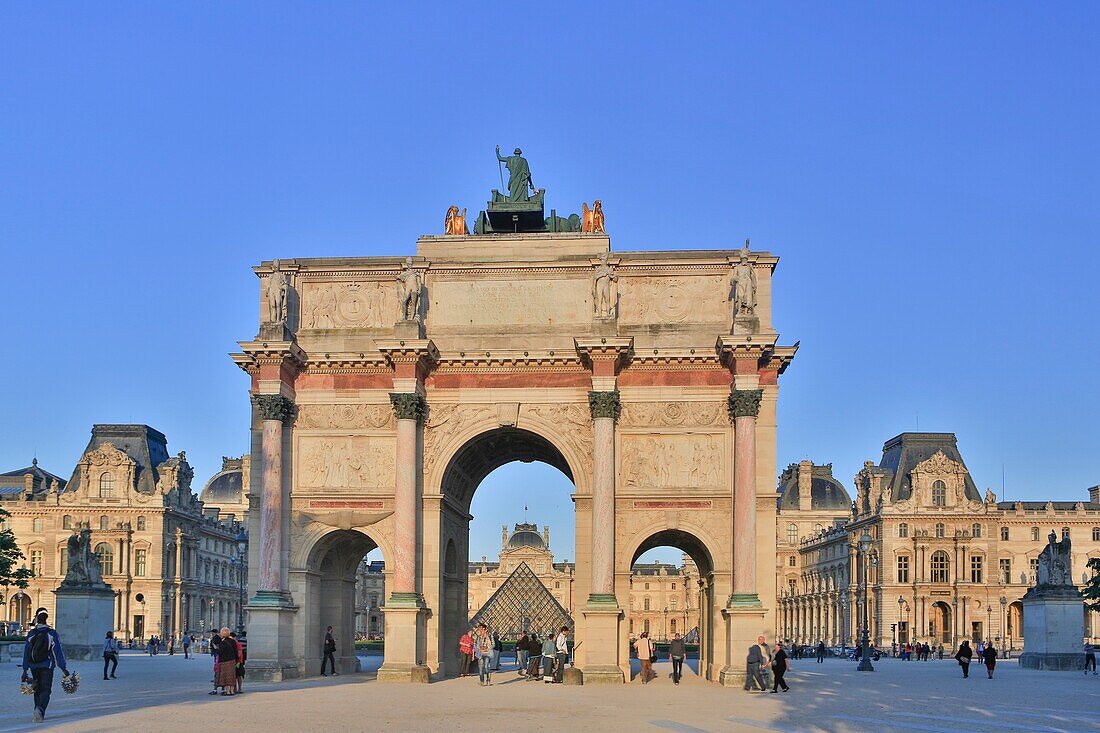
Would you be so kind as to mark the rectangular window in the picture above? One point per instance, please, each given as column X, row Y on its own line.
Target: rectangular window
column 1006, row 570
column 36, row 562
column 672, row 604
column 140, row 562
column 903, row 530
column 37, row 525
column 63, row 560
column 903, row 569
column 976, row 569
column 1033, row 565
column 1004, row 534
column 1034, row 534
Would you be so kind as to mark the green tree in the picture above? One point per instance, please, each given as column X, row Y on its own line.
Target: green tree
column 1091, row 591
column 10, row 557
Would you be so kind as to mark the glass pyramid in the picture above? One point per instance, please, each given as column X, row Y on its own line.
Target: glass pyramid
column 522, row 603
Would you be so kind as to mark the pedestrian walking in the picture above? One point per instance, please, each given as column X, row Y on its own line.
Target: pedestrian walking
column 498, row 648
column 483, row 651
column 779, row 668
column 756, row 657
column 171, row 645
column 187, row 639
column 110, row 654
column 1090, row 658
column 820, row 652
column 676, row 654
column 561, row 645
column 549, row 654
column 645, row 650
column 42, row 654
column 226, row 678
column 989, row 656
column 465, row 652
column 329, row 651
column 963, row 657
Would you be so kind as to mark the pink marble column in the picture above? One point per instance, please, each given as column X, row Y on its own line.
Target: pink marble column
column 605, row 411
column 744, row 406
column 273, row 410
column 409, row 409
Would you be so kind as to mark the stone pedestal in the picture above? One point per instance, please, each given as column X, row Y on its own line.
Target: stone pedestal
column 271, row 638
column 1054, row 629
column 745, row 325
column 405, row 641
column 744, row 623
column 602, row 664
column 408, row 329
column 274, row 332
column 84, row 616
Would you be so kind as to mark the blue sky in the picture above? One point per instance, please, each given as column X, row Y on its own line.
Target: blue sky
column 928, row 174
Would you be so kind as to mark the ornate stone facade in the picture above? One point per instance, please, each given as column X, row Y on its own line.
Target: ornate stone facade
column 169, row 559
column 516, row 350
column 949, row 563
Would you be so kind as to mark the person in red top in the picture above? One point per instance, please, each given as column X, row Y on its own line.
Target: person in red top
column 240, row 661
column 465, row 653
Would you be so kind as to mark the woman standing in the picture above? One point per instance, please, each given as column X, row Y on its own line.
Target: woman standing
column 227, row 663
column 644, row 648
column 989, row 656
column 963, row 657
column 779, row 668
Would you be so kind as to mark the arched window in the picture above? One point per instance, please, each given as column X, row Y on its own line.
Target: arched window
column 645, row 604
column 106, row 485
column 939, row 494
column 141, row 524
column 792, row 534
column 939, row 529
column 818, row 528
column 67, row 522
column 104, row 523
column 903, row 530
column 976, row 530
column 106, row 558
column 940, row 565
column 1004, row 534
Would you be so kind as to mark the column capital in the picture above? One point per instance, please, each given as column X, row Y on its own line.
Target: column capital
column 744, row 402
column 408, row 405
column 274, row 407
column 604, row 404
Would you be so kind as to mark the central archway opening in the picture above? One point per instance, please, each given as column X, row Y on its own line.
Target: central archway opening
column 508, row 543
column 671, row 599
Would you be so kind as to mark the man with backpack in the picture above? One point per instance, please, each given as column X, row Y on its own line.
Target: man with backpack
column 42, row 653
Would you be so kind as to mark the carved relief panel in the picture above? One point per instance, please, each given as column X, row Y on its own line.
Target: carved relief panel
column 345, row 463
column 344, row 416
column 680, row 299
column 694, row 460
column 369, row 304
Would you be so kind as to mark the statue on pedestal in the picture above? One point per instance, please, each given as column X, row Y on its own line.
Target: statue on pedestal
column 519, row 176
column 743, row 283
column 592, row 219
column 455, row 223
column 605, row 289
column 84, row 569
column 277, row 289
column 410, row 282
column 1054, row 562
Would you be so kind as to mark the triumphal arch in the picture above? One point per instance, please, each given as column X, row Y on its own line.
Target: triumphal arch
column 384, row 389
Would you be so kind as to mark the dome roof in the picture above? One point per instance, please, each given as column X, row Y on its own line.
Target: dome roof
column 825, row 491
column 526, row 538
column 224, row 488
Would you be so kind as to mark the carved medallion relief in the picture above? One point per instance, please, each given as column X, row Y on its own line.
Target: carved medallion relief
column 347, row 463
column 645, row 300
column 348, row 305
column 344, row 416
column 673, row 414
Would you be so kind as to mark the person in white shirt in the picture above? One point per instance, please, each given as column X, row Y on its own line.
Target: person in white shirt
column 110, row 654
column 561, row 644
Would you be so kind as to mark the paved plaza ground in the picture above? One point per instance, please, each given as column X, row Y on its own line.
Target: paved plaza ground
column 166, row 693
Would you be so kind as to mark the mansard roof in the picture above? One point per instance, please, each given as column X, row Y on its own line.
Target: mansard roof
column 14, row 479
column 146, row 446
column 902, row 453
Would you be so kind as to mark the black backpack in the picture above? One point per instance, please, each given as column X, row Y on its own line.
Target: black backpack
column 39, row 646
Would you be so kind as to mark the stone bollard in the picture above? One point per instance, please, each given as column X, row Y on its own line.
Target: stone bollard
column 573, row 676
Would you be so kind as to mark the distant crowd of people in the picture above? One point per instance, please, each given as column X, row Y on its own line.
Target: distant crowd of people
column 537, row 658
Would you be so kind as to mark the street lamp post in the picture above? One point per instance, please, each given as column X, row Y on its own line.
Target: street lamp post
column 212, row 604
column 865, row 552
column 240, row 561
column 844, row 623
column 1004, row 633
